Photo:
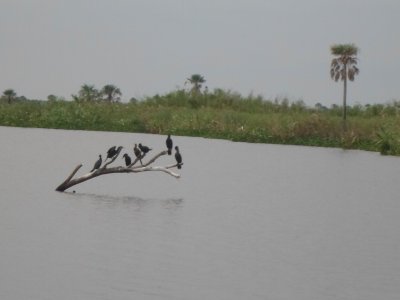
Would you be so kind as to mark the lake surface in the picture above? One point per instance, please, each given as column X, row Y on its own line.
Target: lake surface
column 245, row 221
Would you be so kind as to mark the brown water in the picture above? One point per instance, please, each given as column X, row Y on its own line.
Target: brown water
column 245, row 221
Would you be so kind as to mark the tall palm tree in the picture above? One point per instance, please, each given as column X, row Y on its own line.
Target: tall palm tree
column 196, row 80
column 343, row 67
column 10, row 94
column 111, row 92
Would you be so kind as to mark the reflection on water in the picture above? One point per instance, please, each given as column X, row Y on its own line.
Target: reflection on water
column 257, row 222
column 132, row 202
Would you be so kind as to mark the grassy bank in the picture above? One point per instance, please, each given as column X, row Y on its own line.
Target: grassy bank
column 220, row 115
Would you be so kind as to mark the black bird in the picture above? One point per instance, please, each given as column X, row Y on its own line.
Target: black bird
column 128, row 160
column 111, row 152
column 138, row 153
column 169, row 144
column 97, row 164
column 144, row 149
column 178, row 157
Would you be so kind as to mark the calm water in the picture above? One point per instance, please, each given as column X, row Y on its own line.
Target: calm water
column 245, row 221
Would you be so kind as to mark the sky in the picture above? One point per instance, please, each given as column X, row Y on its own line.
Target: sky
column 273, row 48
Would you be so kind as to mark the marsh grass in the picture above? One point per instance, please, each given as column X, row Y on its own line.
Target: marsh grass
column 223, row 115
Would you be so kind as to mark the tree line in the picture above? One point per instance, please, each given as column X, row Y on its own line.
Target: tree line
column 343, row 68
column 109, row 93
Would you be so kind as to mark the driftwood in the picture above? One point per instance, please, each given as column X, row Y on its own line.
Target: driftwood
column 103, row 170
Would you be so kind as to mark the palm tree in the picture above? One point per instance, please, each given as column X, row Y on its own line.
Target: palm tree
column 10, row 94
column 111, row 92
column 196, row 80
column 343, row 67
column 87, row 93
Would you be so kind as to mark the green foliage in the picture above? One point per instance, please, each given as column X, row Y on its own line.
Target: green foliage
column 111, row 93
column 344, row 49
column 220, row 114
column 388, row 141
column 88, row 93
column 9, row 94
column 196, row 80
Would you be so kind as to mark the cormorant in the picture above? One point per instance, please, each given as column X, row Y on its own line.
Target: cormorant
column 169, row 144
column 97, row 164
column 128, row 160
column 111, row 152
column 178, row 157
column 144, row 149
column 138, row 153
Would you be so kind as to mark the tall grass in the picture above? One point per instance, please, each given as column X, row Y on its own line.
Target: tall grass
column 221, row 114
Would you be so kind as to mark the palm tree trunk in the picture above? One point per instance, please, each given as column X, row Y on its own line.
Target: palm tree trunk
column 344, row 98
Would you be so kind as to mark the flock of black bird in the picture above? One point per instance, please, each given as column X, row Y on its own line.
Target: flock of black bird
column 139, row 153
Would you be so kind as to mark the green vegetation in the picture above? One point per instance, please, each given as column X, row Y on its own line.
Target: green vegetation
column 219, row 114
column 88, row 93
column 111, row 92
column 196, row 80
column 9, row 94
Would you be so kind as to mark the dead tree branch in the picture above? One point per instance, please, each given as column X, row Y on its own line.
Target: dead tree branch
column 70, row 181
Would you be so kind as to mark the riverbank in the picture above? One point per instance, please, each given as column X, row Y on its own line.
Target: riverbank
column 251, row 119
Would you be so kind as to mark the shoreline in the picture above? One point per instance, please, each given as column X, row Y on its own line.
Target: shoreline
column 250, row 122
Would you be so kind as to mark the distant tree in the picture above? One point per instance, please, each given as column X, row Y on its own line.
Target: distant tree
column 87, row 93
column 196, row 80
column 343, row 67
column 298, row 105
column 111, row 93
column 10, row 94
column 133, row 100
column 21, row 98
column 320, row 107
column 52, row 98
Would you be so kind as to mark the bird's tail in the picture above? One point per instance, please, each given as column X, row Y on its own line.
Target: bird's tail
column 169, row 151
column 179, row 166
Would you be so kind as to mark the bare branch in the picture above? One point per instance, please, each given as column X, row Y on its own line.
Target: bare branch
column 74, row 172
column 134, row 162
column 174, row 166
column 59, row 188
column 162, row 169
column 69, row 182
column 152, row 159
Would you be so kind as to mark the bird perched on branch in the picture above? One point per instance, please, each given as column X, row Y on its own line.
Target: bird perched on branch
column 138, row 153
column 97, row 164
column 169, row 143
column 111, row 152
column 144, row 149
column 178, row 157
column 128, row 160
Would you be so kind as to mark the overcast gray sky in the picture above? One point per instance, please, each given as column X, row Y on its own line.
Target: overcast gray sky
column 276, row 48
